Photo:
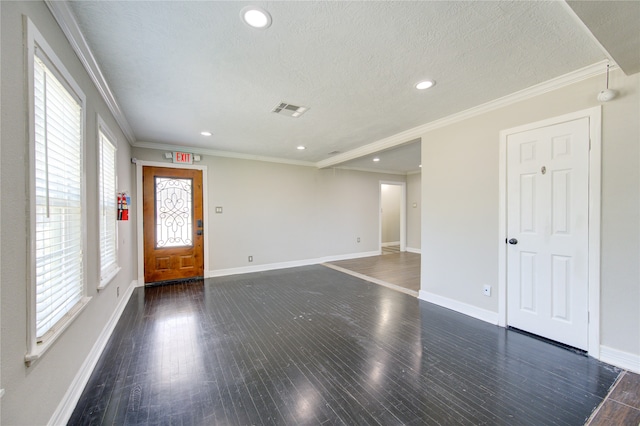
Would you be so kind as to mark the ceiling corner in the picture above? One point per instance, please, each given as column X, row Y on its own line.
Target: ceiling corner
column 67, row 22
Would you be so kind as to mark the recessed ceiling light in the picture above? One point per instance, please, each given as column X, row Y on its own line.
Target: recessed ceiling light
column 425, row 84
column 302, row 148
column 205, row 133
column 256, row 17
column 376, row 159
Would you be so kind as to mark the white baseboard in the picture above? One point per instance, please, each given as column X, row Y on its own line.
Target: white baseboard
column 621, row 359
column 392, row 243
column 65, row 408
column 463, row 308
column 413, row 250
column 284, row 265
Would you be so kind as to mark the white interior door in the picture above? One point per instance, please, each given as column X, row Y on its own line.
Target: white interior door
column 547, row 231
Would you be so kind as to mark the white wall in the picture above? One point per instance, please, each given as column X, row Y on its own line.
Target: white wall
column 460, row 220
column 281, row 213
column 414, row 196
column 391, row 197
column 34, row 393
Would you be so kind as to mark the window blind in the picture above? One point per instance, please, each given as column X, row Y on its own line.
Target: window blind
column 108, row 207
column 58, row 199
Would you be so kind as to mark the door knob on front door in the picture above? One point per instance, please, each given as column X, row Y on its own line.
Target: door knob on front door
column 513, row 241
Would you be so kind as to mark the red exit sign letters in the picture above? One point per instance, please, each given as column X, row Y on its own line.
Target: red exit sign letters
column 183, row 157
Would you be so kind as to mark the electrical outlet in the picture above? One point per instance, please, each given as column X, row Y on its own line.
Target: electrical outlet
column 218, row 209
column 358, row 239
column 250, row 258
column 486, row 290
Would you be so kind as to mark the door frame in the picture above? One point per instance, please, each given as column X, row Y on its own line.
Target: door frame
column 595, row 160
column 403, row 213
column 139, row 212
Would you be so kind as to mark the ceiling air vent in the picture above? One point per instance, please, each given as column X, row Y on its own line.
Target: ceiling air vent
column 289, row 110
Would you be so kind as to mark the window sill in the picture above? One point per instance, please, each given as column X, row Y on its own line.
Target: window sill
column 36, row 351
column 104, row 281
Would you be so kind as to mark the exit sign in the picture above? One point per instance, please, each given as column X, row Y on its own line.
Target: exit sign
column 183, row 157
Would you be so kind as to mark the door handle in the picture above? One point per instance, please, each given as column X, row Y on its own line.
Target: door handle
column 199, row 223
column 513, row 241
column 199, row 232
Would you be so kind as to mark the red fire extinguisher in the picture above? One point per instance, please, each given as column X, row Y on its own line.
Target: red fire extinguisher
column 123, row 206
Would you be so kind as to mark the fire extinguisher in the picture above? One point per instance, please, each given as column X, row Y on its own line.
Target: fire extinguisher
column 123, row 206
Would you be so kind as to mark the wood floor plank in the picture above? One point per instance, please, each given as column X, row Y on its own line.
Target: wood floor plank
column 312, row 345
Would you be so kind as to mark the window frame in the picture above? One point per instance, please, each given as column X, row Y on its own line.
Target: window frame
column 110, row 274
column 35, row 41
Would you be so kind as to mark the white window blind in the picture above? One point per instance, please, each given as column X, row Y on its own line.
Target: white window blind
column 58, row 199
column 108, row 207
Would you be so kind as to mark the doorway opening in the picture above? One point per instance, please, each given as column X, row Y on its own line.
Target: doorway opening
column 393, row 217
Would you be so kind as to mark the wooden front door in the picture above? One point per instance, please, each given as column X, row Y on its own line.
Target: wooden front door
column 173, row 224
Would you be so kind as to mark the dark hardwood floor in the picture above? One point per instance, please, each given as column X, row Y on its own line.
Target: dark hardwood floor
column 312, row 345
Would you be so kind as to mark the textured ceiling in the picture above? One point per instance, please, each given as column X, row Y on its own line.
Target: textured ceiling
column 179, row 67
column 601, row 17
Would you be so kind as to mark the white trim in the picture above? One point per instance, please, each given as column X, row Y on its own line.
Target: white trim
column 460, row 307
column 36, row 352
column 102, row 127
column 414, row 250
column 379, row 171
column 621, row 359
column 67, row 22
column 32, row 38
column 111, row 138
column 403, row 212
column 104, row 282
column 65, row 408
column 419, row 131
column 216, row 153
column 284, row 265
column 389, row 244
column 139, row 215
column 595, row 133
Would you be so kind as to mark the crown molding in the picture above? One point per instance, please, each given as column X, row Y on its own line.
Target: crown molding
column 417, row 132
column 216, row 153
column 67, row 22
column 367, row 170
